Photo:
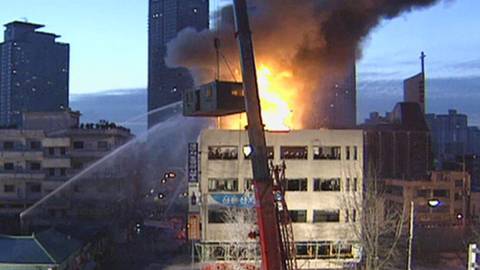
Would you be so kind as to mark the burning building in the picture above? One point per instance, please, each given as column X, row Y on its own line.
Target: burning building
column 323, row 168
column 306, row 83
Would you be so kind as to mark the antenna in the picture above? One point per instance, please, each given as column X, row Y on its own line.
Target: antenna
column 422, row 58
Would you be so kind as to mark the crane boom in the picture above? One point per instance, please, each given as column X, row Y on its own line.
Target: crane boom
column 270, row 238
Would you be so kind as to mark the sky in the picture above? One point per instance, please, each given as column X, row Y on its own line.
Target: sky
column 108, row 41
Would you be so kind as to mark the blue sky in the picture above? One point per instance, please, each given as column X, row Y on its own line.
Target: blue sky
column 108, row 40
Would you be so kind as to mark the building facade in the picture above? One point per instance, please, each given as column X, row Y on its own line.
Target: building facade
column 165, row 19
column 399, row 146
column 456, row 145
column 34, row 162
column 414, row 90
column 323, row 168
column 34, row 72
column 450, row 188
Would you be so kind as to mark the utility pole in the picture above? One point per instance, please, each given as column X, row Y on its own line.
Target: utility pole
column 410, row 236
column 472, row 257
column 270, row 238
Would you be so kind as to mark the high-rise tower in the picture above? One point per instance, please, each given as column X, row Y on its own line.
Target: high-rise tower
column 166, row 19
column 33, row 72
column 414, row 87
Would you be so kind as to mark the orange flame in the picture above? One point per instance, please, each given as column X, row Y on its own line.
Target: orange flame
column 277, row 91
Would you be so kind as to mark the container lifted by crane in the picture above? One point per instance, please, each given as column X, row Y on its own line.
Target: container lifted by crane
column 221, row 98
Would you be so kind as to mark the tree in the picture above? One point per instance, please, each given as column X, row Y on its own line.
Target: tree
column 243, row 237
column 379, row 225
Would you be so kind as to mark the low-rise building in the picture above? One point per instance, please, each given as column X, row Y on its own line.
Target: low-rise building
column 441, row 200
column 34, row 162
column 52, row 249
column 323, row 169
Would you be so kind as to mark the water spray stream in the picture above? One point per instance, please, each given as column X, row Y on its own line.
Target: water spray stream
column 135, row 118
column 157, row 132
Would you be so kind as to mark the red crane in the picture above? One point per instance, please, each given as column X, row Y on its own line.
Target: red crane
column 276, row 252
column 274, row 224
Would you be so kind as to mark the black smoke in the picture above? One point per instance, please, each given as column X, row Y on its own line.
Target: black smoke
column 318, row 40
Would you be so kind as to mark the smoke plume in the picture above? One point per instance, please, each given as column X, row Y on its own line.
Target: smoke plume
column 317, row 40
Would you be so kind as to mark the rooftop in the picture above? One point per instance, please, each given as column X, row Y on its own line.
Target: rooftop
column 47, row 247
column 24, row 24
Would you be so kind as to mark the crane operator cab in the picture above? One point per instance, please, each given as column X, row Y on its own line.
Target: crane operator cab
column 218, row 98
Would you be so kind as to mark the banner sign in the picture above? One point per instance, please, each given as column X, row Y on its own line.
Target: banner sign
column 232, row 200
column 192, row 162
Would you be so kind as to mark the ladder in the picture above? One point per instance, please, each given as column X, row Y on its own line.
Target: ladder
column 285, row 227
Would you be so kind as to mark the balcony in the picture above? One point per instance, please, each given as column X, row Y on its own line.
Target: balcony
column 22, row 173
column 21, row 153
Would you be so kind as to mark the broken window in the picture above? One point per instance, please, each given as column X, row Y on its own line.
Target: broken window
column 216, row 216
column 326, row 216
column 78, row 145
column 222, row 152
column 326, row 152
column 298, row 216
column 293, row 152
column 299, row 184
column 326, row 184
column 222, row 185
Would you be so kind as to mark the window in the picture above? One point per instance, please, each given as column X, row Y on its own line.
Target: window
column 354, row 215
column 216, row 216
column 78, row 145
column 347, row 216
column 305, row 250
column 293, row 152
column 218, row 253
column 458, row 196
column 326, row 152
column 248, row 184
column 328, row 184
column 423, row 193
column 422, row 208
column 248, row 154
column 347, row 152
column 222, row 152
column 347, row 184
column 324, row 250
column 9, row 188
column 209, row 92
column 63, row 172
column 51, row 172
column 355, row 184
column 35, row 188
column 9, row 145
column 459, row 183
column 297, row 184
column 77, row 165
column 237, row 92
column 222, row 185
column 8, row 166
column 35, row 166
column 355, row 153
column 35, row 145
column 394, row 190
column 298, row 216
column 63, row 151
column 443, row 193
column 342, row 250
column 442, row 208
column 51, row 151
column 102, row 145
column 326, row 216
